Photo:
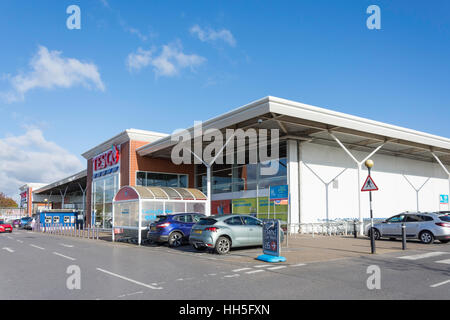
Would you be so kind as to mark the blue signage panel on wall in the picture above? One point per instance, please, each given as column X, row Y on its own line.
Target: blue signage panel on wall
column 279, row 192
column 443, row 199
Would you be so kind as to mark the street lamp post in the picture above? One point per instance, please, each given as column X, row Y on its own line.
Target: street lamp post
column 369, row 164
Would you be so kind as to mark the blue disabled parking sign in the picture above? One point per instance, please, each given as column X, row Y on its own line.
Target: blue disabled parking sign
column 443, row 199
column 271, row 242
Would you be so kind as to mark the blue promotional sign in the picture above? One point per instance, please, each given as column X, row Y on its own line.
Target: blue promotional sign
column 271, row 237
column 443, row 199
column 279, row 192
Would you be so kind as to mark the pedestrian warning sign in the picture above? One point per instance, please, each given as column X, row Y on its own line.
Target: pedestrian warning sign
column 369, row 185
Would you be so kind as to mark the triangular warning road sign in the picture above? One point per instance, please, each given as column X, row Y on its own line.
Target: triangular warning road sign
column 369, row 185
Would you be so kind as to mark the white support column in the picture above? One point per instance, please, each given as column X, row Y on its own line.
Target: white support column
column 208, row 190
column 446, row 171
column 63, row 195
column 139, row 223
column 294, row 185
column 359, row 164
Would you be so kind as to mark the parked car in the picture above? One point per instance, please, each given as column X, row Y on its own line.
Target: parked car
column 25, row 222
column 16, row 223
column 223, row 232
column 173, row 228
column 5, row 227
column 426, row 227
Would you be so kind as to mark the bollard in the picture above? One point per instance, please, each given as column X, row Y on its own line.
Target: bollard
column 355, row 233
column 403, row 236
column 97, row 232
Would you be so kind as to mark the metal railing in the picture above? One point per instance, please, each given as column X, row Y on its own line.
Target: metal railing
column 69, row 231
column 328, row 228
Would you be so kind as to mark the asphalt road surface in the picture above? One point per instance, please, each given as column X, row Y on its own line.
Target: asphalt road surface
column 38, row 266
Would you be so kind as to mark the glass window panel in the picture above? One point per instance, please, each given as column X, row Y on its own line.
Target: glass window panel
column 183, row 181
column 140, row 179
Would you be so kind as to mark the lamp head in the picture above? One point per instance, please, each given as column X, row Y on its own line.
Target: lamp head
column 369, row 164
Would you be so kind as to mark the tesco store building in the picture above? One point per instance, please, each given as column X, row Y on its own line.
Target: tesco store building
column 321, row 160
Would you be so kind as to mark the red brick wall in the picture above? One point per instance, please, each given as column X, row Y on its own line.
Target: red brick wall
column 138, row 163
column 125, row 164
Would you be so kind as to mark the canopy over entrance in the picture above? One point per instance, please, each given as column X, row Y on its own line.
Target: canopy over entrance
column 158, row 193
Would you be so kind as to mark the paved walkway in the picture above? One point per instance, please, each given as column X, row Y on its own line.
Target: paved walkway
column 305, row 248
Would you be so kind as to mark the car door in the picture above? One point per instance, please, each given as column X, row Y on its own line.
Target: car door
column 412, row 224
column 238, row 231
column 255, row 230
column 393, row 226
column 185, row 223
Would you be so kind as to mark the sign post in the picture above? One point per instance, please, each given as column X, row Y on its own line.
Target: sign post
column 370, row 186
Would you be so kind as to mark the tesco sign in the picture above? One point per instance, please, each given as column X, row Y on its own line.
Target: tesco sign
column 107, row 159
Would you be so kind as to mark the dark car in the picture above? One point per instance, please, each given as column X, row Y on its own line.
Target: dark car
column 173, row 228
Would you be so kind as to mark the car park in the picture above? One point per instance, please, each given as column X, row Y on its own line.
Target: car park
column 173, row 228
column 5, row 227
column 223, row 232
column 427, row 227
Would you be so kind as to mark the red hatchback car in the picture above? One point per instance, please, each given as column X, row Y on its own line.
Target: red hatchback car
column 5, row 227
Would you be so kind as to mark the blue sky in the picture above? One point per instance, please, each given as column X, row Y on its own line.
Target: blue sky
column 160, row 65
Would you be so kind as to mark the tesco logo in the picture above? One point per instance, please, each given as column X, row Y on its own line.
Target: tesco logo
column 107, row 159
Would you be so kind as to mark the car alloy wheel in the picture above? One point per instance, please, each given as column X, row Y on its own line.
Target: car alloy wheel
column 376, row 234
column 223, row 245
column 426, row 237
column 175, row 239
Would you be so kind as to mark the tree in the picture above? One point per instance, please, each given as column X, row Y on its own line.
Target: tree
column 7, row 202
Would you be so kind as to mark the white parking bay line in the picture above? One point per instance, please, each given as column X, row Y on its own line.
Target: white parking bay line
column 262, row 266
column 66, row 245
column 440, row 284
column 241, row 269
column 20, row 241
column 8, row 249
column 423, row 255
column 254, row 271
column 37, row 247
column 298, row 265
column 231, row 275
column 276, row 268
column 128, row 279
column 447, row 261
column 61, row 255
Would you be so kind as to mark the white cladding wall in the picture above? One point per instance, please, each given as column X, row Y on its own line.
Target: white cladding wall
column 395, row 195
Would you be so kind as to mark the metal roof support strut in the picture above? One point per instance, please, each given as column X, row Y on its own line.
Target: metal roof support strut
column 446, row 171
column 208, row 173
column 359, row 164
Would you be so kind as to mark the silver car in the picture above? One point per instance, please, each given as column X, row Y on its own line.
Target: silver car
column 222, row 232
column 426, row 227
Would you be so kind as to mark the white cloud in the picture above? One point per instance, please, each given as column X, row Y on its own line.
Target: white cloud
column 139, row 60
column 105, row 3
column 50, row 70
column 168, row 63
column 32, row 158
column 211, row 35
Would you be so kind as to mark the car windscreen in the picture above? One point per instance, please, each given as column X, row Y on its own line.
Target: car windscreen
column 445, row 218
column 207, row 222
